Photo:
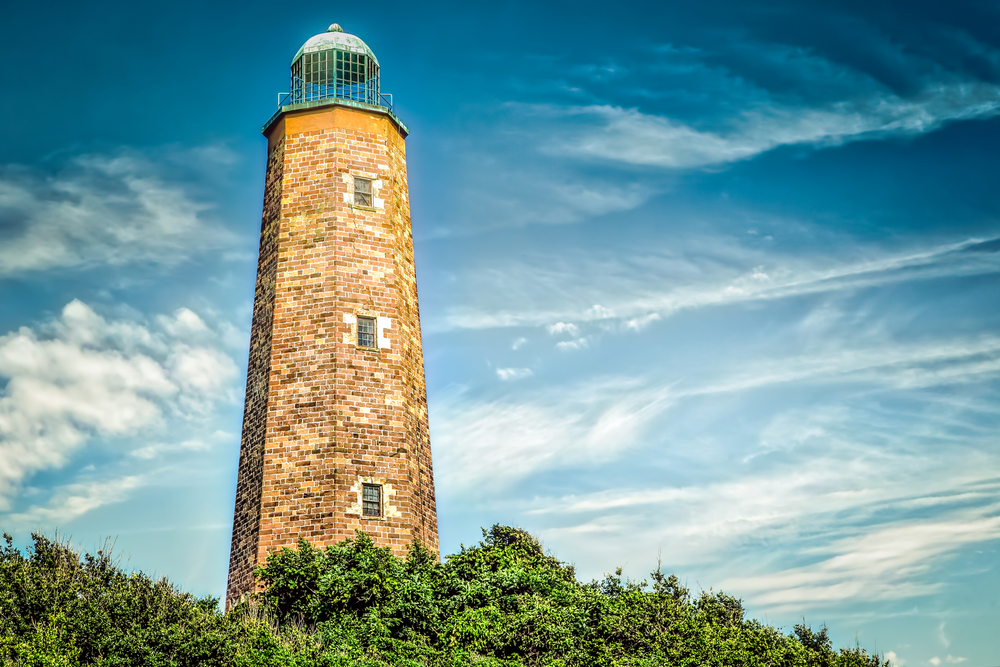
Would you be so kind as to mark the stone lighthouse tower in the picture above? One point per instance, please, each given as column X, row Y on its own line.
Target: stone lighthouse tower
column 335, row 433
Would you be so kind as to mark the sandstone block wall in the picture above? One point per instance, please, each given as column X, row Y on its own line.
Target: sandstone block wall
column 322, row 415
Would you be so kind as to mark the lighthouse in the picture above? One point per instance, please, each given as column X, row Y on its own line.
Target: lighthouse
column 335, row 431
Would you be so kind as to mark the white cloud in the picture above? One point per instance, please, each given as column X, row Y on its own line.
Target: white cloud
column 895, row 365
column 101, row 210
column 894, row 659
column 74, row 500
column 184, row 323
column 708, row 517
column 935, row 661
column 640, row 323
column 82, row 376
column 526, row 433
column 514, row 373
column 481, row 444
column 583, row 200
column 578, row 344
column 883, row 563
column 598, row 312
column 158, row 449
column 557, row 196
column 725, row 275
column 518, row 342
column 854, row 499
column 942, row 636
column 833, row 511
column 562, row 327
column 630, row 136
column 200, row 370
column 719, row 114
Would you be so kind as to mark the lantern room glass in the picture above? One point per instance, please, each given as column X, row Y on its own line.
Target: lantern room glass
column 333, row 73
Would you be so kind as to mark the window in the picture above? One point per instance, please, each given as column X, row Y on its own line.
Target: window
column 371, row 500
column 362, row 191
column 333, row 73
column 366, row 332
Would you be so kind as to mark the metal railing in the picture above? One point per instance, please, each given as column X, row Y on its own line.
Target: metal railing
column 384, row 99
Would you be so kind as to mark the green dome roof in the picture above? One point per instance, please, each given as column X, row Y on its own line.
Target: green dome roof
column 335, row 38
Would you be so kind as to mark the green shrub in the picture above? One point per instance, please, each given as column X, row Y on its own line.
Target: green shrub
column 501, row 603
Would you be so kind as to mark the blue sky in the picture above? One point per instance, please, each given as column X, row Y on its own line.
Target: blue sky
column 712, row 281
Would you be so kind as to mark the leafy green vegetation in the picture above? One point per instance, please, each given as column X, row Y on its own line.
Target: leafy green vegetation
column 501, row 603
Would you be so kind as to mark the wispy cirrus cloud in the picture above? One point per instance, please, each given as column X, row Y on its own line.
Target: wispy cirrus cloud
column 759, row 95
column 76, row 499
column 629, row 136
column 609, row 135
column 493, row 443
column 660, row 286
column 104, row 210
column 503, row 440
column 495, row 197
column 834, row 528
column 709, row 517
column 859, row 503
column 887, row 562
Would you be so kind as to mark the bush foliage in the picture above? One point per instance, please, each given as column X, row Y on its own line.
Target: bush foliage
column 501, row 603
